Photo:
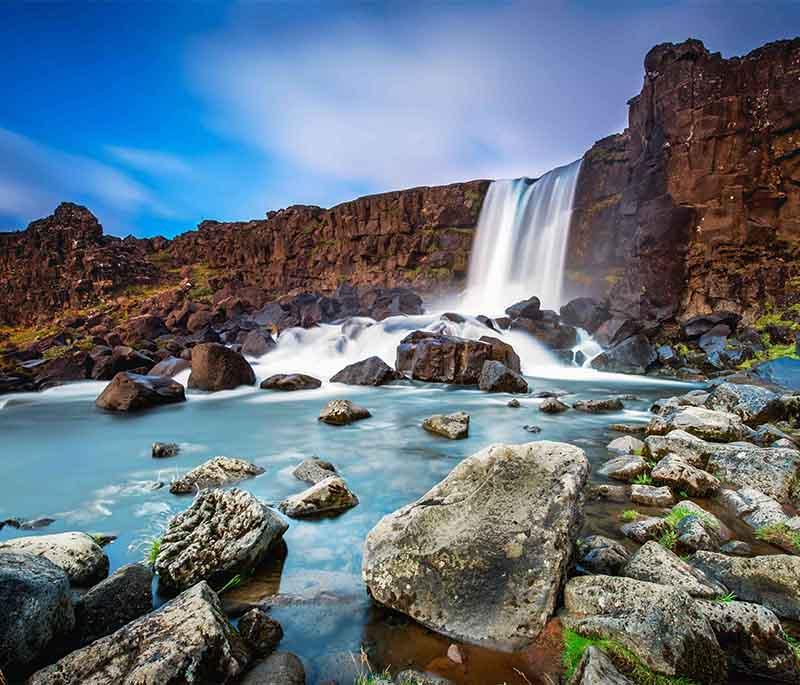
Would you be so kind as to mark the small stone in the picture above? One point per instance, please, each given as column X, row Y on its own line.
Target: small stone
column 162, row 450
column 514, row 404
column 597, row 406
column 328, row 496
column 455, row 654
column 260, row 631
column 314, row 470
column 453, row 426
column 531, row 428
column 552, row 405
column 214, row 473
column 342, row 412
column 652, row 496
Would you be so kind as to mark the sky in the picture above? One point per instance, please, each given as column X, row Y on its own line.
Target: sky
column 159, row 115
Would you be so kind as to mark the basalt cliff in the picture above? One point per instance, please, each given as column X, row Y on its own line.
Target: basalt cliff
column 694, row 208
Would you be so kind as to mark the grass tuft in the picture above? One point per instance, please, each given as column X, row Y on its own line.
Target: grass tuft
column 643, row 479
column 781, row 535
column 629, row 515
column 153, row 550
column 669, row 540
column 727, row 598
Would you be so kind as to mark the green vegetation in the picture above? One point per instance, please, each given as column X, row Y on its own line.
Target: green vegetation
column 781, row 535
column 234, row 582
column 669, row 540
column 726, row 598
column 681, row 350
column 625, row 660
column 774, row 349
column 643, row 479
column 153, row 550
column 795, row 644
column 679, row 513
column 629, row 515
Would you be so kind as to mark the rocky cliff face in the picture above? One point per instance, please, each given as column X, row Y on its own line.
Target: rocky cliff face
column 696, row 206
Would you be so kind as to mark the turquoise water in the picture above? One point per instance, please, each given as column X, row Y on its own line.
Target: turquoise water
column 92, row 471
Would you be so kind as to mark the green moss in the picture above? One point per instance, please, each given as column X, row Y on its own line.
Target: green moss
column 780, row 535
column 629, row 515
column 681, row 350
column 679, row 513
column 770, row 353
column 643, row 479
column 726, row 598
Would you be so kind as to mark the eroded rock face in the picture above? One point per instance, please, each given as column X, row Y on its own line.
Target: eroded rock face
column 313, row 470
column 216, row 367
column 37, row 610
column 371, row 371
column 132, row 392
column 214, row 473
column 497, row 377
column 716, row 426
column 328, row 496
column 453, row 426
column 81, row 558
column 753, row 404
column 660, row 625
column 598, row 554
column 222, row 533
column 656, row 564
column 187, row 640
column 426, row 356
column 484, row 569
column 290, row 381
column 342, row 412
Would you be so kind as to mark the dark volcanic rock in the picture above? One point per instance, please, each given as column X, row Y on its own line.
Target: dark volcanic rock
column 371, row 371
column 290, row 381
column 427, row 356
column 584, row 312
column 215, row 367
column 632, row 355
column 257, row 343
column 497, row 377
column 171, row 366
column 503, row 352
column 132, row 392
column 528, row 309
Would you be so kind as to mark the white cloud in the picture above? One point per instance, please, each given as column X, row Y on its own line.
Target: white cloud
column 150, row 162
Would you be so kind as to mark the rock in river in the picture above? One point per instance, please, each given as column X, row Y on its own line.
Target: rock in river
column 497, row 377
column 188, row 640
column 371, row 371
column 132, row 392
column 223, row 533
column 314, row 469
column 162, row 450
column 552, row 405
column 280, row 668
column 342, row 412
column 36, row 610
column 81, row 558
column 290, row 381
column 214, row 473
column 597, row 406
column 482, row 556
column 216, row 367
column 328, row 496
column 453, row 426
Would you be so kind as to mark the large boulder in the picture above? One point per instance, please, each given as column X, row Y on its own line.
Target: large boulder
column 661, row 625
column 632, row 355
column 188, row 640
column 36, row 610
column 716, row 426
column 170, row 366
column 342, row 412
column 132, row 392
column 674, row 471
column 503, row 352
column 257, row 343
column 488, row 568
column 214, row 473
column 81, row 558
column 584, row 312
column 216, row 367
column 326, row 497
column 223, row 533
column 290, row 382
column 119, row 599
column 527, row 309
column 548, row 331
column 432, row 357
column 753, row 404
column 370, row 371
column 452, row 426
column 772, row 470
column 497, row 377
column 772, row 581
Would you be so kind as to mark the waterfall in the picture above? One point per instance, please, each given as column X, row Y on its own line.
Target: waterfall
column 521, row 242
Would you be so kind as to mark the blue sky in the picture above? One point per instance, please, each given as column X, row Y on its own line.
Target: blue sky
column 159, row 115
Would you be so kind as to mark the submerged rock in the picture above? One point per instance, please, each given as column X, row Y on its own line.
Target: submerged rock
column 133, row 392
column 453, row 426
column 187, row 640
column 484, row 569
column 313, row 470
column 223, row 532
column 656, row 564
column 36, row 610
column 597, row 406
column 162, row 450
column 280, row 668
column 497, row 377
column 290, row 382
column 372, row 371
column 342, row 412
column 327, row 496
column 261, row 632
column 216, row 367
column 81, row 558
column 598, row 554
column 214, row 473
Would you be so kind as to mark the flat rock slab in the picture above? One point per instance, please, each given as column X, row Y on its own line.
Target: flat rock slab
column 452, row 426
column 342, row 412
column 223, row 532
column 187, row 640
column 482, row 556
column 328, row 496
column 651, row 496
column 707, row 424
column 214, row 473
column 595, row 668
column 289, row 382
column 81, row 558
column 599, row 406
column 624, row 468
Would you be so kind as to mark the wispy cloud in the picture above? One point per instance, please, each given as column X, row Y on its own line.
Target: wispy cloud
column 151, row 162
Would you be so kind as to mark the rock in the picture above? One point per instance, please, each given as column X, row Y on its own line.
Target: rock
column 701, row 325
column 171, row 367
column 314, row 470
column 417, row 678
column 656, row 564
column 119, row 599
column 453, row 426
column 427, row 356
column 693, row 533
column 257, row 343
column 328, row 496
column 371, row 371
column 772, row 581
column 660, row 625
column 484, row 569
column 290, row 381
column 37, row 610
column 342, row 412
column 753, row 639
column 214, row 473
column 496, row 377
column 186, row 640
column 584, row 312
column 528, row 309
column 261, row 632
column 644, row 529
column 737, row 548
column 651, row 496
column 132, row 392
column 632, row 355
column 753, row 507
column 753, row 404
column 626, row 445
column 81, row 558
column 615, row 330
column 531, row 428
column 215, row 367
column 162, row 450
column 716, row 426
column 667, row 356
column 552, row 405
column 625, row 468
column 605, row 491
column 223, row 532
column 502, row 352
column 597, row 406
column 550, row 333
column 629, row 428
column 513, row 404
column 784, row 372
column 675, row 472
column 595, row 668
column 598, row 554
column 280, row 668
column 773, row 471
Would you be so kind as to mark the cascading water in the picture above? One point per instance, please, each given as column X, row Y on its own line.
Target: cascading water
column 521, row 242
